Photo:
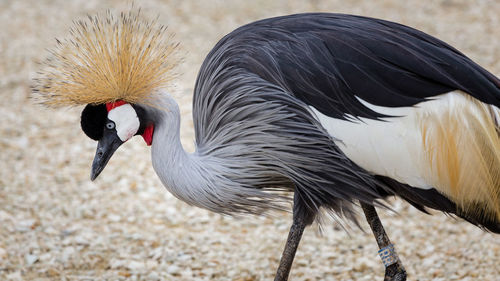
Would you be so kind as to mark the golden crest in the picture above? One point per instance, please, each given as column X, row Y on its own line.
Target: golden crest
column 108, row 58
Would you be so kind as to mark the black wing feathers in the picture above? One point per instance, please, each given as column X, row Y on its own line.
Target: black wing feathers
column 327, row 60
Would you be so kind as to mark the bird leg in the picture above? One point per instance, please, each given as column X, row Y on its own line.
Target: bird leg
column 292, row 243
column 300, row 221
column 394, row 270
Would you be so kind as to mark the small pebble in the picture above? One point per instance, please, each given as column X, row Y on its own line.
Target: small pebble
column 136, row 265
column 173, row 269
column 153, row 276
column 3, row 254
column 30, row 259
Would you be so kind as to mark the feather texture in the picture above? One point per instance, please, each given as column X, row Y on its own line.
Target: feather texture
column 267, row 140
column 462, row 151
column 108, row 58
column 327, row 60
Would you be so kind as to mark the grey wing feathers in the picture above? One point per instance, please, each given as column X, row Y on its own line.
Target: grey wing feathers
column 270, row 141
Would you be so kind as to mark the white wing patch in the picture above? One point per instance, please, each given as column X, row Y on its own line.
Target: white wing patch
column 126, row 121
column 389, row 147
column 450, row 143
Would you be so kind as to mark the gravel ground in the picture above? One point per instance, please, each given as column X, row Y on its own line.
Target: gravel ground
column 55, row 224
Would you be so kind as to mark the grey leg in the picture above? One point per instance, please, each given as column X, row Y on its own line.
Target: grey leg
column 292, row 243
column 301, row 218
column 394, row 270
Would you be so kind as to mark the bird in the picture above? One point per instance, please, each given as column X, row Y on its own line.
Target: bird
column 320, row 111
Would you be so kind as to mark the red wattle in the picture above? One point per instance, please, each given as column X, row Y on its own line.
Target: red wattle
column 111, row 105
column 148, row 134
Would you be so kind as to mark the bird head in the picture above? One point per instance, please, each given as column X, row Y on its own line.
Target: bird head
column 112, row 124
column 114, row 65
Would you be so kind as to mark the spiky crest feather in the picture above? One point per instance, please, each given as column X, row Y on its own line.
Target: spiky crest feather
column 108, row 58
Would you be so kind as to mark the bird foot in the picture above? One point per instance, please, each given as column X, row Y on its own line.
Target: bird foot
column 395, row 272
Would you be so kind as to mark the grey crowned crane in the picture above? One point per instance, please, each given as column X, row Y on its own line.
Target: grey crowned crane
column 335, row 109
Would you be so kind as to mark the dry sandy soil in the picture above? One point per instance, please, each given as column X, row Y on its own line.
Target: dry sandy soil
column 55, row 224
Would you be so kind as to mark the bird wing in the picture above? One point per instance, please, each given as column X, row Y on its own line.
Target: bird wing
column 327, row 60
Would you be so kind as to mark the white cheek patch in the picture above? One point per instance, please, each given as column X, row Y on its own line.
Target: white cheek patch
column 126, row 121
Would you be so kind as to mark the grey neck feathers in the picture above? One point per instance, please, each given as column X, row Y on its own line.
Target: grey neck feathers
column 178, row 170
column 198, row 178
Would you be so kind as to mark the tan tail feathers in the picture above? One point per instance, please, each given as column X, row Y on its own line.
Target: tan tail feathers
column 462, row 148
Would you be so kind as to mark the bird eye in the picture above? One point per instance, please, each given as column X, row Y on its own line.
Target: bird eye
column 110, row 125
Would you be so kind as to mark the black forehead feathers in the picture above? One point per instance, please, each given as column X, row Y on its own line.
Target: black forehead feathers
column 93, row 119
column 141, row 114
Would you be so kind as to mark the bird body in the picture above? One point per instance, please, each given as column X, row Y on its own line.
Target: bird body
column 396, row 102
column 337, row 109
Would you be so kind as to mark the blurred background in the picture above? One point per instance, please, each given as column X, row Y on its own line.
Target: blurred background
column 55, row 224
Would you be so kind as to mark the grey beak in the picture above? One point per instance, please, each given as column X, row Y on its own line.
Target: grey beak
column 106, row 146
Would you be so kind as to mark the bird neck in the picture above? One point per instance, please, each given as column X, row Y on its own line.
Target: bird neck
column 166, row 118
column 179, row 171
column 212, row 177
